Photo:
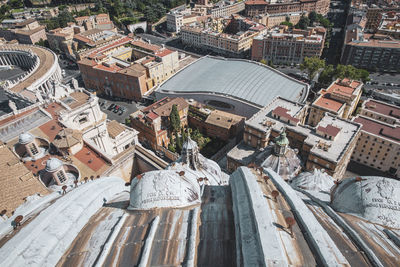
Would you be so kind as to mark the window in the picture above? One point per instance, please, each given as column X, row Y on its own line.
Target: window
column 61, row 177
column 83, row 120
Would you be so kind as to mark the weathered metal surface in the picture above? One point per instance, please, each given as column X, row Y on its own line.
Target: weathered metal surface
column 387, row 252
column 296, row 248
column 217, row 232
column 353, row 255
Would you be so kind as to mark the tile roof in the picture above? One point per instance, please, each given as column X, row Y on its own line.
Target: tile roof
column 329, row 130
column 378, row 128
column 16, row 181
column 327, row 103
column 383, row 108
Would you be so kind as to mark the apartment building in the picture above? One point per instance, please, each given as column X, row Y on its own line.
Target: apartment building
column 235, row 43
column 178, row 17
column 274, row 20
column 379, row 143
column 282, row 45
column 257, row 7
column 327, row 146
column 340, row 99
column 390, row 24
column 152, row 122
column 370, row 51
column 226, row 8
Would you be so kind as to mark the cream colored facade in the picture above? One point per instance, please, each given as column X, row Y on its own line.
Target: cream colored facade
column 379, row 143
column 340, row 98
column 272, row 20
column 84, row 114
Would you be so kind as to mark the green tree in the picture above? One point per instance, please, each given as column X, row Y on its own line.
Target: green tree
column 303, row 23
column 16, row 3
column 311, row 65
column 327, row 75
column 287, row 23
column 174, row 119
column 312, row 17
column 178, row 143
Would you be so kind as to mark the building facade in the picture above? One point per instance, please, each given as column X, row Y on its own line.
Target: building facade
column 283, row 46
column 153, row 121
column 127, row 68
column 378, row 146
column 327, row 146
column 340, row 98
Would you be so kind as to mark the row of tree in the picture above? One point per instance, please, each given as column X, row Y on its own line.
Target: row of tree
column 314, row 65
column 311, row 20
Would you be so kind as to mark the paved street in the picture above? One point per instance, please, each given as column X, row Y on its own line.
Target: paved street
column 337, row 16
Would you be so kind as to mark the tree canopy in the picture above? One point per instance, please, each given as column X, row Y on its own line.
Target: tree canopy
column 175, row 120
column 342, row 71
column 311, row 65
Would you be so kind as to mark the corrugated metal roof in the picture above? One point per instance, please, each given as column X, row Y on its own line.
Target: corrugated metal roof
column 241, row 79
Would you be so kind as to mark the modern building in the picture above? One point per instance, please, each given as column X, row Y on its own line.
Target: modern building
column 153, row 123
column 327, row 146
column 370, row 51
column 24, row 31
column 127, row 68
column 237, row 86
column 340, row 99
column 379, row 143
column 281, row 45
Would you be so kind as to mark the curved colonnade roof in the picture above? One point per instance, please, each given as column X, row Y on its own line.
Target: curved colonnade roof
column 46, row 61
column 241, row 79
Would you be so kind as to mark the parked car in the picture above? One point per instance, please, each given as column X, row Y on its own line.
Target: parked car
column 111, row 107
column 121, row 111
column 116, row 109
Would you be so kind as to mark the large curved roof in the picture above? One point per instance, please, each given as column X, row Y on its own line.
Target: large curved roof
column 241, row 79
column 374, row 198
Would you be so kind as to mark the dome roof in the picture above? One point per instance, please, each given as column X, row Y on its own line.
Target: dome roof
column 53, row 164
column 165, row 188
column 282, row 140
column 25, row 138
column 287, row 165
column 374, row 198
column 315, row 181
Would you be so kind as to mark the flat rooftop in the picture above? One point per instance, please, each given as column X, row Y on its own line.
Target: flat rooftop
column 241, row 79
column 344, row 131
